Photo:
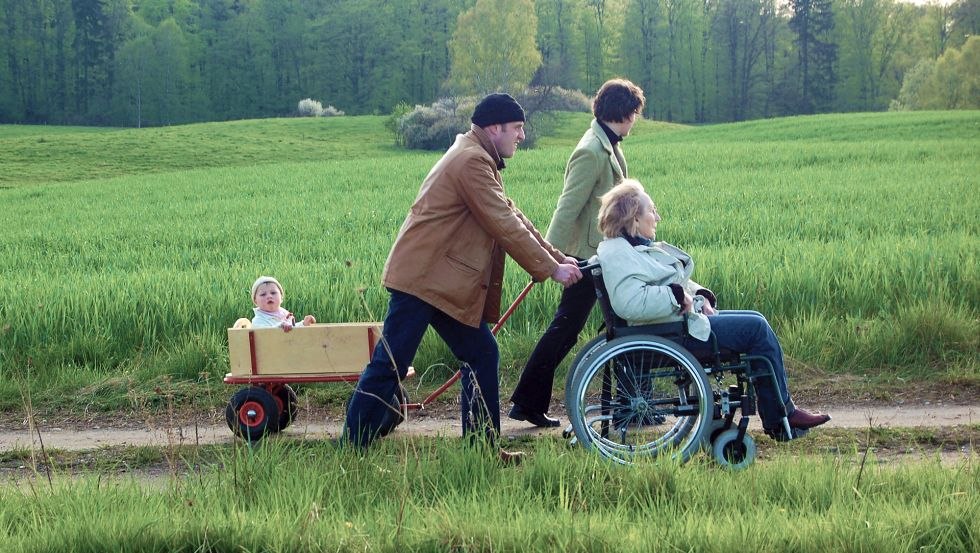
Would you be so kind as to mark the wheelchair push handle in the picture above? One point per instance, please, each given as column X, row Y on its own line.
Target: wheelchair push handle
column 583, row 266
column 588, row 264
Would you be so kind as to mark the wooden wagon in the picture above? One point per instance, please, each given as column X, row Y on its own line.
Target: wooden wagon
column 268, row 360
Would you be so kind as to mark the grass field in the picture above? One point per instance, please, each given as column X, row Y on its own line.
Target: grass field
column 128, row 252
column 433, row 495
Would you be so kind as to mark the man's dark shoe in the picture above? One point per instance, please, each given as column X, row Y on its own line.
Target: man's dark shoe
column 804, row 420
column 540, row 420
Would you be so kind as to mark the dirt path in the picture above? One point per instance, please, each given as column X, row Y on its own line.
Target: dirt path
column 94, row 434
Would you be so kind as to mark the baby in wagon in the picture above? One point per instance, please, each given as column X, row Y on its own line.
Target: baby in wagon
column 267, row 295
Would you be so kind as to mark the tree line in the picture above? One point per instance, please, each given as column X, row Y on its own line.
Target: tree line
column 162, row 62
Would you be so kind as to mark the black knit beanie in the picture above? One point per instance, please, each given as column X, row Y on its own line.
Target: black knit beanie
column 497, row 108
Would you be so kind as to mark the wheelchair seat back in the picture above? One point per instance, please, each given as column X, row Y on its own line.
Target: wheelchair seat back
column 617, row 326
column 707, row 353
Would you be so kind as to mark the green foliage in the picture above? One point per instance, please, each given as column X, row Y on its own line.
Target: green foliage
column 433, row 495
column 950, row 82
column 393, row 119
column 813, row 23
column 493, row 47
column 162, row 62
column 965, row 16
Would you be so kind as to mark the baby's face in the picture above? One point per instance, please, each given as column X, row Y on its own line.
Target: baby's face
column 267, row 297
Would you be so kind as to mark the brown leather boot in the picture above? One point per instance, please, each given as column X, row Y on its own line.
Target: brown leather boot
column 803, row 419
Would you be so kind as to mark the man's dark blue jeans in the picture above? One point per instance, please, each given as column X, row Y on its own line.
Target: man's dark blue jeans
column 369, row 413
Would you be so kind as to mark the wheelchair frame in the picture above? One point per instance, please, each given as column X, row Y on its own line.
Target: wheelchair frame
column 637, row 391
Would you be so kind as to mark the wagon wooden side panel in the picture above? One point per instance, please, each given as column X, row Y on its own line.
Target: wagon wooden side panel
column 320, row 349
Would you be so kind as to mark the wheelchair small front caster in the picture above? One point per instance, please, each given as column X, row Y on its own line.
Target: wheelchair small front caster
column 732, row 453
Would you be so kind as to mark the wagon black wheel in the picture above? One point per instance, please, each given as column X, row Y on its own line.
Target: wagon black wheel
column 251, row 413
column 288, row 406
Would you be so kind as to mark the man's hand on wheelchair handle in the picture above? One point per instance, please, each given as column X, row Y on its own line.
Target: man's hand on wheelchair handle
column 567, row 274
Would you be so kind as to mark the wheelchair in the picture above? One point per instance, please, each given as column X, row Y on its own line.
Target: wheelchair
column 636, row 391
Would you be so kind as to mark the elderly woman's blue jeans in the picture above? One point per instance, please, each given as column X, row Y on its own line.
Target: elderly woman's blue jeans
column 369, row 414
column 749, row 332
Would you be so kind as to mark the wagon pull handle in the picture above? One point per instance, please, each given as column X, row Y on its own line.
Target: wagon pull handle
column 512, row 308
column 455, row 377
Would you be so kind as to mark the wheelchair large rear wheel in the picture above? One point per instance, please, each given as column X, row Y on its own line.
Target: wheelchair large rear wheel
column 590, row 347
column 639, row 396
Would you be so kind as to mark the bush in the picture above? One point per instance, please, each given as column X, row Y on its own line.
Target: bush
column 394, row 119
column 434, row 127
column 553, row 98
column 949, row 82
column 912, row 85
column 309, row 107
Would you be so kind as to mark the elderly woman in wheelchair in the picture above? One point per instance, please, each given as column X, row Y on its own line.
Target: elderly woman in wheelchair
column 644, row 388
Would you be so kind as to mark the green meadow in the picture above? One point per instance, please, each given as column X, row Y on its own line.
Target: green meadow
column 127, row 253
column 433, row 495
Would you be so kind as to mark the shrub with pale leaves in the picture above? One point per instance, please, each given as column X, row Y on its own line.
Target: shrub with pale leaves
column 553, row 98
column 434, row 127
column 309, row 107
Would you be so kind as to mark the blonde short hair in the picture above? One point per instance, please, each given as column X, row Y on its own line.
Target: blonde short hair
column 620, row 208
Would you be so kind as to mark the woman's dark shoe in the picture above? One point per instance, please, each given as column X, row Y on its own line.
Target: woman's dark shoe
column 540, row 420
column 804, row 420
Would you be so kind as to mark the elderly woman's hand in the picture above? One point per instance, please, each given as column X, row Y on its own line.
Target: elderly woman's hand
column 688, row 303
column 703, row 305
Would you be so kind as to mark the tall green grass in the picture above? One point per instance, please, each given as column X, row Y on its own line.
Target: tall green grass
column 856, row 235
column 433, row 495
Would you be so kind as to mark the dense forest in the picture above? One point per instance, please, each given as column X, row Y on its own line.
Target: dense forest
column 162, row 62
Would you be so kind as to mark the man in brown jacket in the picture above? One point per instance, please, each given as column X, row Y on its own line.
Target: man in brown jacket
column 446, row 270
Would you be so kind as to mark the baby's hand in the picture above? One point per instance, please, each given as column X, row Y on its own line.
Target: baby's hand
column 309, row 320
